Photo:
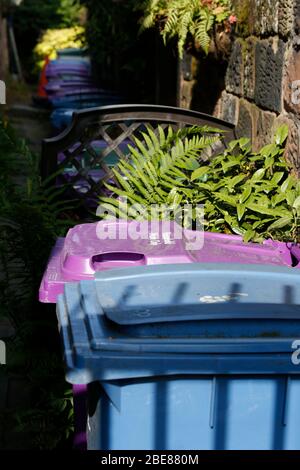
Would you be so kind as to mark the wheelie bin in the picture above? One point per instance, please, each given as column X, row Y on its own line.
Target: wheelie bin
column 194, row 356
column 83, row 253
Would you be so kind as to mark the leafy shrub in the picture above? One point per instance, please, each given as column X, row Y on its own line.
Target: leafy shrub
column 184, row 18
column 121, row 60
column 54, row 39
column 33, row 17
column 31, row 218
column 244, row 192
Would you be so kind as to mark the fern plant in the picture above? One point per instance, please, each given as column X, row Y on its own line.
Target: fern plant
column 243, row 192
column 158, row 167
column 181, row 18
column 31, row 218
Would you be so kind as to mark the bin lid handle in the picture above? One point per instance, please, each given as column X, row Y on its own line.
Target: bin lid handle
column 165, row 293
column 187, row 313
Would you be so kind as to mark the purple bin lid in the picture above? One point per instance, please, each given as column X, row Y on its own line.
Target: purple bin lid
column 78, row 90
column 84, row 251
column 68, row 65
column 57, row 72
column 60, row 86
column 222, row 248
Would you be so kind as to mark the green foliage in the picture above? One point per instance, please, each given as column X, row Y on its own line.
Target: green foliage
column 54, row 39
column 33, row 17
column 122, row 60
column 244, row 192
column 31, row 218
column 184, row 18
column 46, row 14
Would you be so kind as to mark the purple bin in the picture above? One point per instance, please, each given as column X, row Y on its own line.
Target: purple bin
column 222, row 248
column 61, row 86
column 84, row 252
column 75, row 90
column 68, row 65
column 81, row 254
column 57, row 72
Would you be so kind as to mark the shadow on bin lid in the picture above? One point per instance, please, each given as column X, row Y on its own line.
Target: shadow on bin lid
column 180, row 319
column 179, row 293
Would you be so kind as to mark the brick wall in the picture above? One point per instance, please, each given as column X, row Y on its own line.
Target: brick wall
column 263, row 66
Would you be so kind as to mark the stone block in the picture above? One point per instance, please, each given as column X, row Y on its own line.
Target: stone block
column 245, row 12
column 297, row 16
column 292, row 152
column 234, row 73
column 285, row 17
column 249, row 67
column 291, row 82
column 245, row 125
column 229, row 108
column 266, row 17
column 263, row 129
column 269, row 60
column 186, row 93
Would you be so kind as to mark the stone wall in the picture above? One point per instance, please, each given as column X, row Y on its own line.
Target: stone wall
column 3, row 47
column 260, row 84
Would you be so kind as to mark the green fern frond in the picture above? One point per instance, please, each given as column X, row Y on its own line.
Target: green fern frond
column 171, row 24
column 160, row 165
column 202, row 27
column 179, row 18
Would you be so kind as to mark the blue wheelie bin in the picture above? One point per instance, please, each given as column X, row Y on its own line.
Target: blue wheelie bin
column 195, row 356
column 61, row 118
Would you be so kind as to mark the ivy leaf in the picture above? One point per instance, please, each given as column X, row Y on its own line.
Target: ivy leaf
column 280, row 223
column 238, row 230
column 232, row 145
column 277, row 198
column 236, row 180
column 230, row 164
column 258, row 175
column 199, row 172
column 246, row 194
column 269, row 150
column 249, row 235
column 207, row 186
column 277, row 177
column 281, row 134
column 244, row 142
column 290, row 197
column 240, row 210
column 269, row 162
column 267, row 211
column 231, row 200
column 296, row 204
column 286, row 184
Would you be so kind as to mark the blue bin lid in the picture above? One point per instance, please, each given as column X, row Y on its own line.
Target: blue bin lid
column 180, row 319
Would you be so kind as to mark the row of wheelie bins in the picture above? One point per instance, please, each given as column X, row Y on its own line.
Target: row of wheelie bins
column 177, row 339
column 67, row 84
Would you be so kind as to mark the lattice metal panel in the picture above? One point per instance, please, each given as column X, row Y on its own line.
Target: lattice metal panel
column 84, row 155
